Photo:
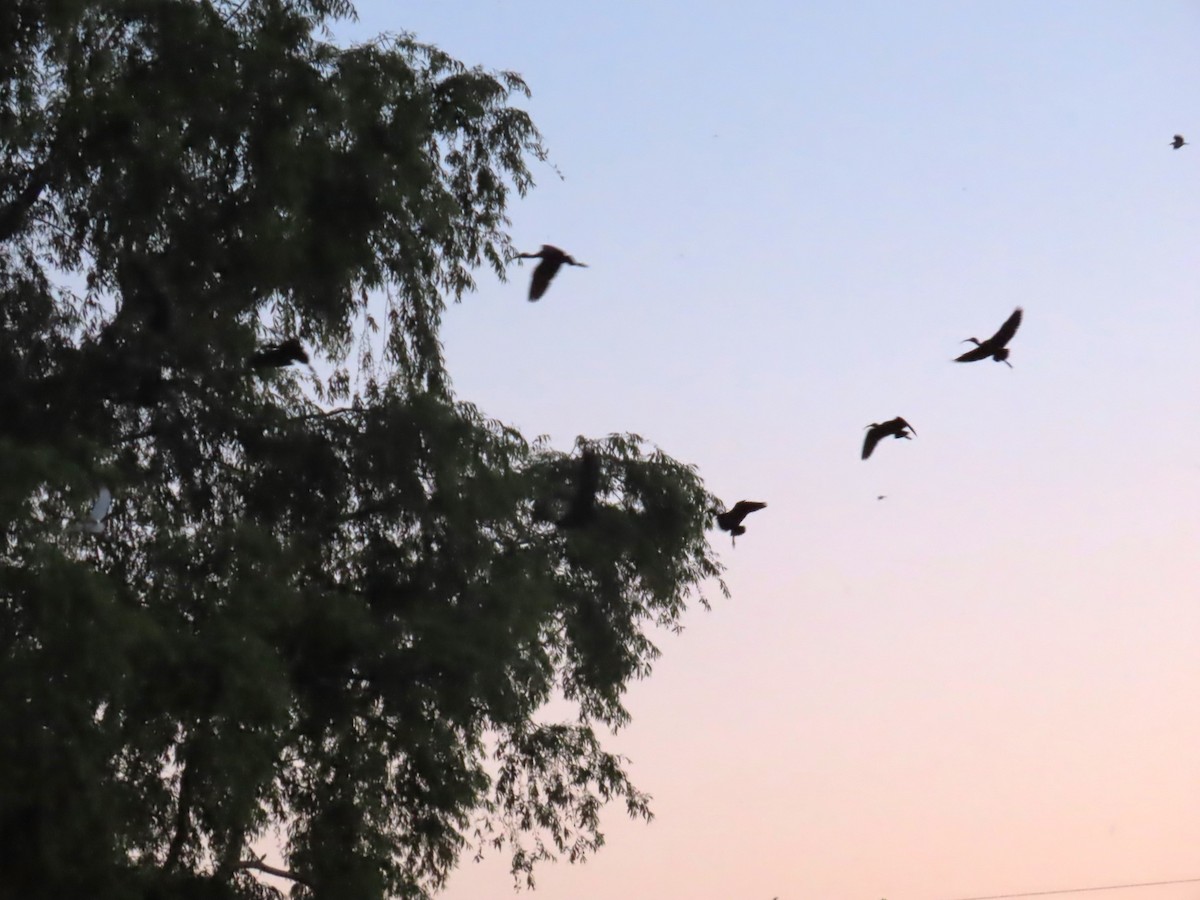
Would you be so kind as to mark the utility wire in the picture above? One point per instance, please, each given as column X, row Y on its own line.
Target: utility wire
column 1103, row 887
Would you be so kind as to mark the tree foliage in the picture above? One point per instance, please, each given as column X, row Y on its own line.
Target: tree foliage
column 328, row 605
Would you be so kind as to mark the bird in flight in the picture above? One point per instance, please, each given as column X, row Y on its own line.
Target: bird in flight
column 583, row 505
column 552, row 260
column 276, row 356
column 94, row 523
column 994, row 346
column 896, row 427
column 1177, row 142
column 731, row 519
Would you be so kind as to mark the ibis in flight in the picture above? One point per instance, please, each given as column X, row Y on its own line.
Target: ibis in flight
column 552, row 260
column 994, row 346
column 731, row 519
column 877, row 431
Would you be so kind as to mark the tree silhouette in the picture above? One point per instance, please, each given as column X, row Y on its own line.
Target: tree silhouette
column 325, row 606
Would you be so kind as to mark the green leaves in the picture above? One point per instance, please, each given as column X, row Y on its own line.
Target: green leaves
column 341, row 622
column 553, row 780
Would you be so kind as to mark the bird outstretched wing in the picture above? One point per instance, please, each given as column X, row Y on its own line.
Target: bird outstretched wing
column 545, row 270
column 983, row 351
column 743, row 508
column 1007, row 330
column 869, row 442
column 732, row 518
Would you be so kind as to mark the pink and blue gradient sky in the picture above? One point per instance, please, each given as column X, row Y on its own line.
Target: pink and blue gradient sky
column 990, row 681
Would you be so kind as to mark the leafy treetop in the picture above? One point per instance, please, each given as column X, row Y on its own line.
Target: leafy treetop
column 329, row 608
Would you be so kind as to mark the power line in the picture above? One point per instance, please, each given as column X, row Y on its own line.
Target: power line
column 1103, row 887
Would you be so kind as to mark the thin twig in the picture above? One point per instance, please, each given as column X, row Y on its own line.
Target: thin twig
column 340, row 411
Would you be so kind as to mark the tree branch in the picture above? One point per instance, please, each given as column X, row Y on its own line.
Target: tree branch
column 183, row 819
column 138, row 435
column 260, row 866
column 39, row 176
column 11, row 215
column 42, row 220
column 325, row 414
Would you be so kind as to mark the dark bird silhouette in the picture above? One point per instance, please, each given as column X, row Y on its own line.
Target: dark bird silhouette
column 731, row 519
column 276, row 356
column 994, row 346
column 1177, row 141
column 552, row 260
column 587, row 482
column 896, row 427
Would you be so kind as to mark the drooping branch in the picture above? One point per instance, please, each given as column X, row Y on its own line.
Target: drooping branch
column 259, row 866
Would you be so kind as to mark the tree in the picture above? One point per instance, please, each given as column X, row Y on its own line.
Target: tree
column 327, row 607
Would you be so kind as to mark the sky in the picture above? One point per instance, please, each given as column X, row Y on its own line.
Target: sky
column 989, row 681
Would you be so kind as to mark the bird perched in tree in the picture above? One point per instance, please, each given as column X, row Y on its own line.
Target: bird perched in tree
column 896, row 427
column 94, row 523
column 994, row 346
column 587, row 482
column 552, row 260
column 731, row 519
column 1177, row 141
column 276, row 356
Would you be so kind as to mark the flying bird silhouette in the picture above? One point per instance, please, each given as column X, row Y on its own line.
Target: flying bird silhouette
column 94, row 523
column 1177, row 141
column 896, row 427
column 552, row 260
column 276, row 356
column 587, row 482
column 994, row 346
column 731, row 519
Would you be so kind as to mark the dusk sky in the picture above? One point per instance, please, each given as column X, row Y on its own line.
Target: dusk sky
column 988, row 682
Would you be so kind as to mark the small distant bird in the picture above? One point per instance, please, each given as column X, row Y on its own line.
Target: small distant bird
column 1177, row 141
column 276, row 356
column 896, row 427
column 994, row 346
column 552, row 260
column 94, row 523
column 731, row 519
column 881, row 497
column 587, row 482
